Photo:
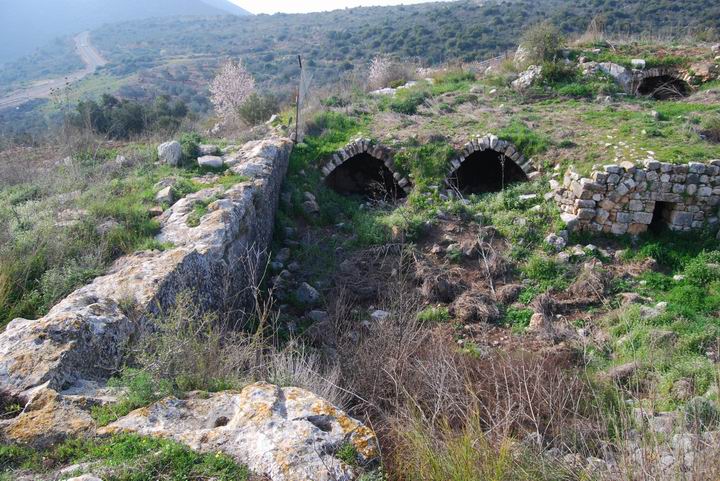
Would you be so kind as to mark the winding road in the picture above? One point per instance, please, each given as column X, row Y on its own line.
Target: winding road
column 44, row 88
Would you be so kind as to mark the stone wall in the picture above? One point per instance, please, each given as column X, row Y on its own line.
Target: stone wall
column 626, row 198
column 84, row 338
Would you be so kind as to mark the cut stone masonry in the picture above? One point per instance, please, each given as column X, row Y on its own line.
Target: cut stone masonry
column 629, row 199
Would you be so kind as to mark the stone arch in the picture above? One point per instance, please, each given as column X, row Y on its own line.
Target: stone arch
column 486, row 164
column 361, row 164
column 662, row 84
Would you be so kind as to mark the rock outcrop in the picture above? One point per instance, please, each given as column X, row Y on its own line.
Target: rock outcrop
column 170, row 153
column 288, row 434
column 84, row 338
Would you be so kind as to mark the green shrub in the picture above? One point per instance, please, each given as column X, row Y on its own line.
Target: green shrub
column 348, row 454
column 518, row 319
column 190, row 143
column 542, row 42
column 525, row 139
column 547, row 272
column 407, row 101
column 702, row 413
column 703, row 269
column 258, row 108
column 140, row 390
column 434, row 314
column 711, row 128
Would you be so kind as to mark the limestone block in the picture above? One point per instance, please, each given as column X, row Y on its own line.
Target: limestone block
column 678, row 188
column 636, row 205
column 584, row 204
column 585, row 214
column 619, row 228
column 602, row 216
column 623, row 217
column 681, row 219
column 642, row 217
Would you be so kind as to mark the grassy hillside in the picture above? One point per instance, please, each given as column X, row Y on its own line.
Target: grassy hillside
column 28, row 25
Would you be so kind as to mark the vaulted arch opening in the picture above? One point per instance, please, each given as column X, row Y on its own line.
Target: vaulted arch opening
column 664, row 87
column 486, row 171
column 365, row 176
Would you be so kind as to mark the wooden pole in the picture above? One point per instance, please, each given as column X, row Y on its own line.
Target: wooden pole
column 297, row 104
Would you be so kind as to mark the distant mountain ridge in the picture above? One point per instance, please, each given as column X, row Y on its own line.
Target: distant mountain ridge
column 29, row 24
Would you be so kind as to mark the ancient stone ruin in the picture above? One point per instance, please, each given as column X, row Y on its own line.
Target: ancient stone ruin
column 661, row 84
column 488, row 164
column 630, row 199
column 367, row 169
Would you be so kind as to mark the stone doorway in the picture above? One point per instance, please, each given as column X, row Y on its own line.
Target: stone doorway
column 486, row 171
column 664, row 87
column 365, row 176
column 662, row 216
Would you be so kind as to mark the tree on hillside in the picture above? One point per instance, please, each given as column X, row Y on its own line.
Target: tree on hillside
column 539, row 44
column 232, row 86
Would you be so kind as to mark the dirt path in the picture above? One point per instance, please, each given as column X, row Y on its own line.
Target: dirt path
column 44, row 88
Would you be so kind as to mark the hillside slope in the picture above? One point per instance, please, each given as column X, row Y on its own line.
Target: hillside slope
column 31, row 24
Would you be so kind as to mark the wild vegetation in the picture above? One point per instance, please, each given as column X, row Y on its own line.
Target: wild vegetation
column 475, row 348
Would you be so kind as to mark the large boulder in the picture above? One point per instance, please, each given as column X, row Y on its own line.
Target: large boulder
column 527, row 78
column 170, row 153
column 287, row 434
column 212, row 161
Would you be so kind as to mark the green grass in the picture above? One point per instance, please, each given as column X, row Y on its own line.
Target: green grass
column 434, row 314
column 42, row 261
column 518, row 319
column 672, row 139
column 672, row 345
column 140, row 390
column 126, row 457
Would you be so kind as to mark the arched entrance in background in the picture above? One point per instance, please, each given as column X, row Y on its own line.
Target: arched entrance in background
column 663, row 84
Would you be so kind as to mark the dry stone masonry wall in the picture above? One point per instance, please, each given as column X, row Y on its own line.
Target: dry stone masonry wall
column 84, row 338
column 626, row 198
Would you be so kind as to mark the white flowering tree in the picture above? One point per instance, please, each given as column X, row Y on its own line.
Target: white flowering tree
column 232, row 86
column 379, row 72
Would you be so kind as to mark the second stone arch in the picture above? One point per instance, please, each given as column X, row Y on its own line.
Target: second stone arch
column 488, row 164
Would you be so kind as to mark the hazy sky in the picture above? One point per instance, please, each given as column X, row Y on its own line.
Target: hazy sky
column 297, row 6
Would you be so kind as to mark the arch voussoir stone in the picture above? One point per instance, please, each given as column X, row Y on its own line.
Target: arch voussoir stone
column 493, row 143
column 366, row 146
